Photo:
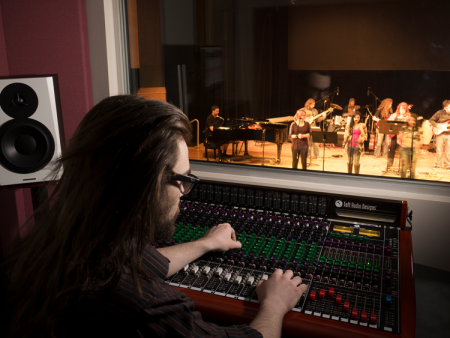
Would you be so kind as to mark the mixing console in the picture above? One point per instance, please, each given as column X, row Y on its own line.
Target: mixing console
column 352, row 268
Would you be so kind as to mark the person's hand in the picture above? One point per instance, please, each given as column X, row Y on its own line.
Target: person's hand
column 299, row 135
column 221, row 237
column 280, row 293
column 293, row 136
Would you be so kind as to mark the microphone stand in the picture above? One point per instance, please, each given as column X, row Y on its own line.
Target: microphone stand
column 221, row 119
column 351, row 151
column 371, row 116
column 412, row 152
column 376, row 98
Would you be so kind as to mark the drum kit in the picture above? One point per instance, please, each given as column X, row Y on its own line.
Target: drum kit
column 338, row 123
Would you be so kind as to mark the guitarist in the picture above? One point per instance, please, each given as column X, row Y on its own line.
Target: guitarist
column 443, row 139
column 384, row 110
column 312, row 118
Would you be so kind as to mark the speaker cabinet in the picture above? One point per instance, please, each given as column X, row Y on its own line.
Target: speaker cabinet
column 31, row 129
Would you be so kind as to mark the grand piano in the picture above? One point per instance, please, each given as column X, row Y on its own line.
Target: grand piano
column 250, row 130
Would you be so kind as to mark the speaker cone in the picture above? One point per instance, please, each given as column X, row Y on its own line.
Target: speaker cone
column 18, row 100
column 26, row 146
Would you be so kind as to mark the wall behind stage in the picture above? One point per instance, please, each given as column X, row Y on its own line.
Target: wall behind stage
column 36, row 38
column 376, row 35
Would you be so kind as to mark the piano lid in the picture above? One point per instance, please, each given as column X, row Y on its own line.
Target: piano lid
column 281, row 119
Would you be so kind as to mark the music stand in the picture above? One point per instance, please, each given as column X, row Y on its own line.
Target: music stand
column 313, row 130
column 324, row 137
column 391, row 128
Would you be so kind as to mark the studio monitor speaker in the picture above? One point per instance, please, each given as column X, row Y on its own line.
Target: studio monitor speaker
column 31, row 129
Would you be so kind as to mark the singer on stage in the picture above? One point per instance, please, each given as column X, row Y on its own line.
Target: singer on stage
column 214, row 121
column 355, row 135
column 409, row 149
column 401, row 114
column 299, row 132
column 384, row 110
column 311, row 119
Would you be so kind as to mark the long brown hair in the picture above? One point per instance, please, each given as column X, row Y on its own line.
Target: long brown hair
column 384, row 107
column 103, row 212
column 404, row 104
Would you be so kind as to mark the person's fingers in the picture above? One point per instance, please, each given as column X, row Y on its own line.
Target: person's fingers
column 237, row 245
column 297, row 280
column 233, row 234
column 289, row 273
column 278, row 272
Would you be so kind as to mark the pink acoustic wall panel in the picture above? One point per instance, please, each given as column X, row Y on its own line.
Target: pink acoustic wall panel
column 3, row 57
column 50, row 37
column 38, row 38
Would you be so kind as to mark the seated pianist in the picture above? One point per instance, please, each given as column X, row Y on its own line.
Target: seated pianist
column 89, row 266
column 214, row 121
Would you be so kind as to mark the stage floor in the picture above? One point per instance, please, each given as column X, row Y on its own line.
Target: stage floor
column 369, row 164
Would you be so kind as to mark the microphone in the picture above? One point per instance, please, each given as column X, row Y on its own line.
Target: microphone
column 220, row 117
column 337, row 91
column 368, row 91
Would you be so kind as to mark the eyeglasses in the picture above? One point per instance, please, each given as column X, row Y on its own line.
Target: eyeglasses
column 187, row 181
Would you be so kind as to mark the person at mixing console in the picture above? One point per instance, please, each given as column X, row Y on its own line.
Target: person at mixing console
column 89, row 266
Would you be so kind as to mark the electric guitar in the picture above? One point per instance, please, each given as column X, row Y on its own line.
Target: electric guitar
column 310, row 119
column 441, row 128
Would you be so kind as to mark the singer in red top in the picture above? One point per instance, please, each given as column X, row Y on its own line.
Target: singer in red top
column 401, row 114
column 384, row 110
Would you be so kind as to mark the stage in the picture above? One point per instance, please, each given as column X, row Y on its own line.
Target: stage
column 335, row 161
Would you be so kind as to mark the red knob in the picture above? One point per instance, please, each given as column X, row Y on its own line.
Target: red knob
column 373, row 318
column 355, row 313
column 338, row 299
column 312, row 295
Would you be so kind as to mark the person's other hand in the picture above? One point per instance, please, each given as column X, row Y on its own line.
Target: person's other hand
column 280, row 292
column 221, row 237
